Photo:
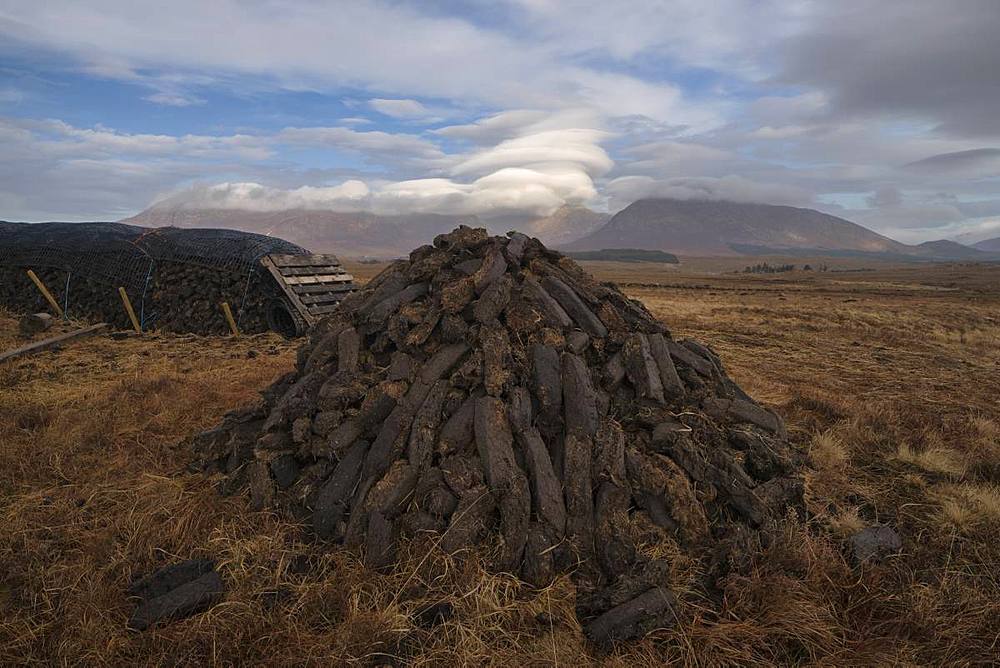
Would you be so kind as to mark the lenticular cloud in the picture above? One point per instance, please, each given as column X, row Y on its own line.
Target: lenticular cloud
column 536, row 173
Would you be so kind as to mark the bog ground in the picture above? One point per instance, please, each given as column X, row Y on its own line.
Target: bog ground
column 888, row 378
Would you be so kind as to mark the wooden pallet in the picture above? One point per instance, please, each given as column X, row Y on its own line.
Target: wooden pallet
column 313, row 284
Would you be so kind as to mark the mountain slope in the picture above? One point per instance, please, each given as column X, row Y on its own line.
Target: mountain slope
column 360, row 233
column 352, row 234
column 989, row 245
column 943, row 249
column 566, row 225
column 702, row 227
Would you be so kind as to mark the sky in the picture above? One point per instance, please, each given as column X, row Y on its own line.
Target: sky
column 885, row 112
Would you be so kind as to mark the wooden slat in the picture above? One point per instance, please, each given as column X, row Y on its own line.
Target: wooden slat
column 303, row 260
column 49, row 342
column 323, row 287
column 322, row 310
column 309, row 280
column 321, row 299
column 313, row 284
column 306, row 271
column 292, row 297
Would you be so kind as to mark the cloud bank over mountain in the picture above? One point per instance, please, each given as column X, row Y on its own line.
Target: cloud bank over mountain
column 535, row 173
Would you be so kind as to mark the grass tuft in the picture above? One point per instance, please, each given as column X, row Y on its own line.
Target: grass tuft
column 933, row 460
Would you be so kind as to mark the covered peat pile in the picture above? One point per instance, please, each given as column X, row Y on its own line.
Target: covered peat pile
column 489, row 391
column 174, row 278
column 176, row 298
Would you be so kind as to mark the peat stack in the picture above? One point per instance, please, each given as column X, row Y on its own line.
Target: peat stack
column 179, row 297
column 489, row 390
column 174, row 278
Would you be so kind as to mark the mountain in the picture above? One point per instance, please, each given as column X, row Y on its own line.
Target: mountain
column 566, row 225
column 320, row 231
column 989, row 245
column 681, row 227
column 703, row 227
column 943, row 249
column 368, row 234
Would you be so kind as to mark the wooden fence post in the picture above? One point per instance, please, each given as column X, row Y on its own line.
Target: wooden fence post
column 229, row 318
column 129, row 310
column 45, row 293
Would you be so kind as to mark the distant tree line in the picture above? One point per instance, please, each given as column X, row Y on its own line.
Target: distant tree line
column 767, row 268
column 626, row 255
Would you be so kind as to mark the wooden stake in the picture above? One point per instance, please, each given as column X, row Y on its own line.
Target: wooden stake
column 48, row 343
column 229, row 319
column 129, row 310
column 45, row 293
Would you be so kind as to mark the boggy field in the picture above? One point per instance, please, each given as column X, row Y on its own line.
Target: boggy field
column 888, row 378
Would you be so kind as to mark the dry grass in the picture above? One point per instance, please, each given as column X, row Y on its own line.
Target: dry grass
column 889, row 380
column 970, row 507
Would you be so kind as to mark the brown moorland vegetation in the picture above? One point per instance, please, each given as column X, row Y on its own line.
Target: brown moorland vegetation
column 889, row 379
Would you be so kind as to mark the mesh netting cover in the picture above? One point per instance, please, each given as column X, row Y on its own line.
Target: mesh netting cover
column 123, row 255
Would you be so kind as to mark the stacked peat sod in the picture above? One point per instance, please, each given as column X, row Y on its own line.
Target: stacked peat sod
column 89, row 300
column 179, row 297
column 187, row 298
column 488, row 391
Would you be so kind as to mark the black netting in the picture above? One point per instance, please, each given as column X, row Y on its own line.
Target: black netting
column 124, row 255
column 175, row 278
column 225, row 249
column 102, row 251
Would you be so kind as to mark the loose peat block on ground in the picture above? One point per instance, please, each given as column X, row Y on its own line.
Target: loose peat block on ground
column 487, row 392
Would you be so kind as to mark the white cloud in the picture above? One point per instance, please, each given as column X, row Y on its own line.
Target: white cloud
column 962, row 231
column 978, row 230
column 58, row 139
column 574, row 148
column 373, row 143
column 971, row 163
column 399, row 108
column 780, row 110
column 534, row 174
column 514, row 123
column 11, row 96
column 544, row 167
column 505, row 191
column 558, row 103
column 910, row 217
column 723, row 34
column 495, row 128
column 780, row 133
column 326, row 46
column 53, row 171
column 668, row 158
column 351, row 195
column 174, row 99
column 626, row 189
column 68, row 169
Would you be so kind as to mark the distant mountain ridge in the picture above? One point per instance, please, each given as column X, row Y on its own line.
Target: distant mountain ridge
column 709, row 227
column 357, row 234
column 988, row 245
column 943, row 249
column 678, row 227
column 720, row 228
column 566, row 225
column 368, row 234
